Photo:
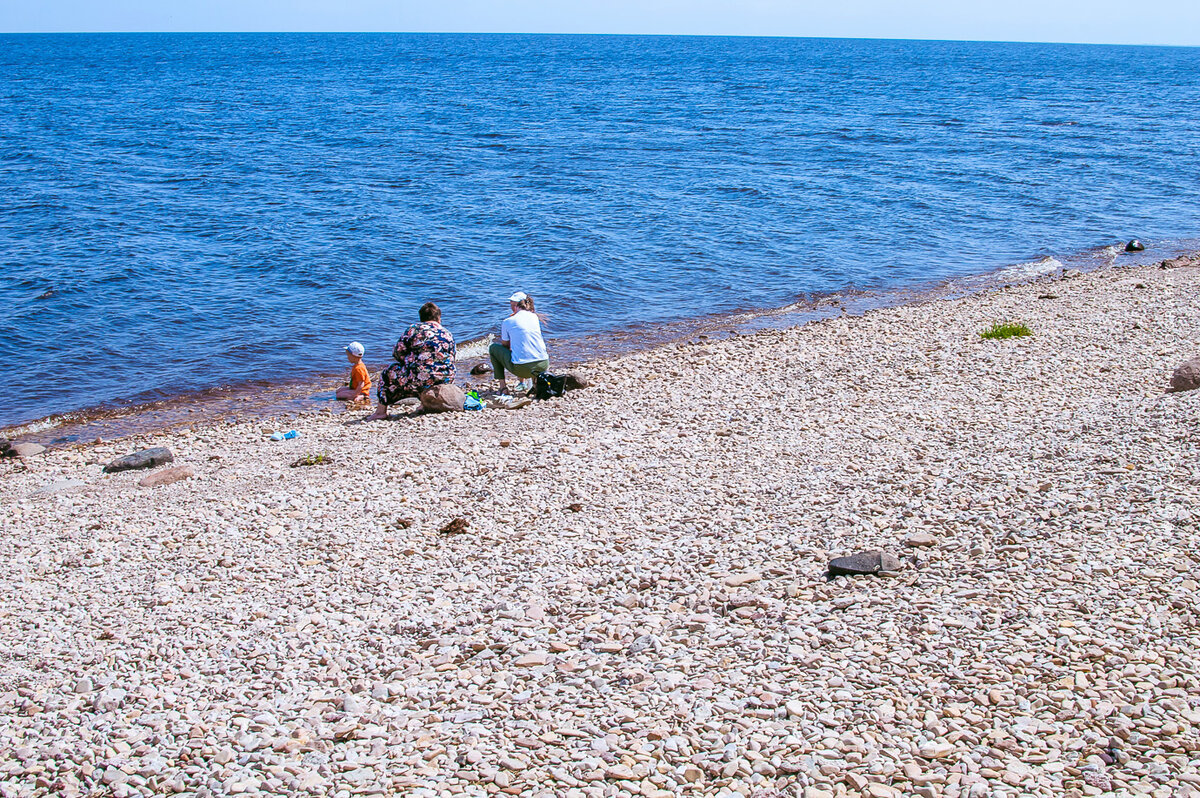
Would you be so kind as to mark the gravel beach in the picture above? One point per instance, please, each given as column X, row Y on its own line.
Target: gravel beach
column 637, row 602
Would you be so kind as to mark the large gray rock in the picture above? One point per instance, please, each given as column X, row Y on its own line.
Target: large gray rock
column 147, row 458
column 444, row 398
column 1186, row 377
column 864, row 562
column 26, row 449
column 573, row 381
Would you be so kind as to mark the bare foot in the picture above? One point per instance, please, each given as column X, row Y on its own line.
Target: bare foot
column 380, row 414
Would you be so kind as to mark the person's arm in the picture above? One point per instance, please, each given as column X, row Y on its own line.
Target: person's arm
column 504, row 335
column 400, row 352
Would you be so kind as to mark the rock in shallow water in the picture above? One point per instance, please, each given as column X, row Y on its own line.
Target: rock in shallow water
column 147, row 458
column 26, row 449
column 864, row 562
column 1134, row 246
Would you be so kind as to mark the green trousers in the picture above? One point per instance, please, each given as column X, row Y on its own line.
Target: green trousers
column 501, row 357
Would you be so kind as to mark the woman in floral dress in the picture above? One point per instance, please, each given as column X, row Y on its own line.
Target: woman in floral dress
column 424, row 358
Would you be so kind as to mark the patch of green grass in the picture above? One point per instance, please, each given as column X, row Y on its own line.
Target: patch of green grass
column 312, row 460
column 1007, row 329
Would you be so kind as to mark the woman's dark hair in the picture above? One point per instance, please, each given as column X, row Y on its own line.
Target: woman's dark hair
column 526, row 303
column 430, row 312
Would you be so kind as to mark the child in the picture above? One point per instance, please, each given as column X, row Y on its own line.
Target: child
column 360, row 379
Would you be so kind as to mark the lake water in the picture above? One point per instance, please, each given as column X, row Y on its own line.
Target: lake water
column 188, row 211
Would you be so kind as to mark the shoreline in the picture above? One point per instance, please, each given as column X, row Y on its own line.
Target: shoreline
column 638, row 604
column 302, row 396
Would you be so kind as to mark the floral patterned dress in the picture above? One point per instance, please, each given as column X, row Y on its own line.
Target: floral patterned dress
column 424, row 357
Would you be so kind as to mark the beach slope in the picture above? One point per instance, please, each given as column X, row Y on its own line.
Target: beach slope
column 637, row 602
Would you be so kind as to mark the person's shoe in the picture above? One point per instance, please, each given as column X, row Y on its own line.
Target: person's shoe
column 506, row 402
column 523, row 386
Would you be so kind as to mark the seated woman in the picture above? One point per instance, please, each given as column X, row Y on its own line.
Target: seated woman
column 521, row 349
column 424, row 358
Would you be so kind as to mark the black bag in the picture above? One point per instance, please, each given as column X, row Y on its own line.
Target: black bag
column 547, row 385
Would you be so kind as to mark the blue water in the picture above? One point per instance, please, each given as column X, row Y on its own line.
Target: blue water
column 183, row 211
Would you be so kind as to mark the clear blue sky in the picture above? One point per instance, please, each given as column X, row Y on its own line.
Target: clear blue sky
column 1106, row 21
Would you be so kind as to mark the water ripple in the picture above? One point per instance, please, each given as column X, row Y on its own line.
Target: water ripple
column 184, row 211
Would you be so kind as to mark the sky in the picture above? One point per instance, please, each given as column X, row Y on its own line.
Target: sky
column 1175, row 22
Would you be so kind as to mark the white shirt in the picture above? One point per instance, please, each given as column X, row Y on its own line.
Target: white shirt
column 523, row 332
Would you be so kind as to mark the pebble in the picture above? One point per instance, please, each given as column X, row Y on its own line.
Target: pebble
column 531, row 660
column 936, row 750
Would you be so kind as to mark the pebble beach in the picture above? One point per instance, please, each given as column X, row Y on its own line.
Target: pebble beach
column 623, row 591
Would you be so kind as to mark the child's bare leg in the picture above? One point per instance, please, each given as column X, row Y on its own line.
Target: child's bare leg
column 345, row 393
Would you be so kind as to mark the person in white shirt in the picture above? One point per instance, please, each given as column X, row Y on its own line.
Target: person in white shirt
column 521, row 350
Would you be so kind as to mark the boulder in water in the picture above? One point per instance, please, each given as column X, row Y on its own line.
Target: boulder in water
column 1134, row 246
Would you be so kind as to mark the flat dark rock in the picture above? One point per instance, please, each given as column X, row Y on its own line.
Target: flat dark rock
column 147, row 458
column 863, row 562
column 574, row 382
column 1186, row 377
column 481, row 369
column 6, row 448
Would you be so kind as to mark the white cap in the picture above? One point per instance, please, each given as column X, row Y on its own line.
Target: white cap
column 518, row 297
column 355, row 348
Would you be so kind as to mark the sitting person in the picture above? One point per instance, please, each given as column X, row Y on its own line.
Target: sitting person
column 521, row 350
column 360, row 379
column 424, row 358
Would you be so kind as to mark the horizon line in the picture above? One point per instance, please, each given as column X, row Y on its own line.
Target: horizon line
column 574, row 33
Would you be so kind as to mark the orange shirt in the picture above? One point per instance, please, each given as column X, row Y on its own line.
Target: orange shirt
column 360, row 379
